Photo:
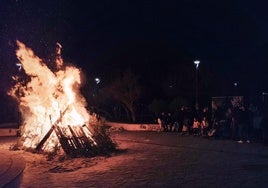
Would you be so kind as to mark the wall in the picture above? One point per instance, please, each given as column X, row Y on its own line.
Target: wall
column 134, row 127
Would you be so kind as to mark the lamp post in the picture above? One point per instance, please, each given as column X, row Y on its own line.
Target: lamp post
column 196, row 62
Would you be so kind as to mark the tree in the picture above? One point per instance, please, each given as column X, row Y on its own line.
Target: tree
column 157, row 106
column 177, row 103
column 126, row 90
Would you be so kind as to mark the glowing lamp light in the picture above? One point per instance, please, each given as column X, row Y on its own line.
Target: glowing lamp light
column 97, row 80
column 19, row 65
column 196, row 62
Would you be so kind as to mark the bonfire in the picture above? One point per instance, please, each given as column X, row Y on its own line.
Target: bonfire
column 54, row 113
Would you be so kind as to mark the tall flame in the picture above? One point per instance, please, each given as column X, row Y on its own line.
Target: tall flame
column 44, row 98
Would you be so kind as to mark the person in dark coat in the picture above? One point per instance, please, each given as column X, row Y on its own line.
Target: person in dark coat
column 163, row 120
column 243, row 120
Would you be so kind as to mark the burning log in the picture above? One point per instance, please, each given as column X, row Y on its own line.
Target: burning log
column 40, row 145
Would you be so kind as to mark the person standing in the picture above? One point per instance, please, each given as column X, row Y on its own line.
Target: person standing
column 163, row 120
column 180, row 118
column 243, row 121
column 196, row 127
column 170, row 122
column 187, row 116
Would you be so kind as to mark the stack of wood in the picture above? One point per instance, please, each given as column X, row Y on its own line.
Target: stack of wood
column 77, row 142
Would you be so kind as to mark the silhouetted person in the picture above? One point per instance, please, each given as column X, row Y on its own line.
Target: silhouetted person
column 163, row 119
column 169, row 122
column 243, row 124
column 187, row 116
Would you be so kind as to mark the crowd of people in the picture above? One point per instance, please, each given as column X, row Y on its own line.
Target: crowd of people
column 234, row 123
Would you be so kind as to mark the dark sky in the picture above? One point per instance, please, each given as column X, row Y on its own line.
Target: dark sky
column 228, row 37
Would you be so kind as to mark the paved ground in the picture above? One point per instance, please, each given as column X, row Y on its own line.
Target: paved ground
column 11, row 168
column 151, row 159
column 186, row 161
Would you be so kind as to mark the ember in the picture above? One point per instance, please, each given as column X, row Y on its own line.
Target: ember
column 53, row 111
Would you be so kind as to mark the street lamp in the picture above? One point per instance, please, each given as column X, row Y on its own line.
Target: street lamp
column 196, row 62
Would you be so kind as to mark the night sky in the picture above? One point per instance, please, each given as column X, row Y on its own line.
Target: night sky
column 229, row 37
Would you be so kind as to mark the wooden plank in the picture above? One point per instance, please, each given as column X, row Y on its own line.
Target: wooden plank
column 66, row 146
column 42, row 142
column 78, row 144
column 40, row 145
column 89, row 145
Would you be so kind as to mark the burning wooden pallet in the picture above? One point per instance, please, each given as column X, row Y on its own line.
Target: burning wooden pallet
column 44, row 91
column 78, row 141
column 76, row 144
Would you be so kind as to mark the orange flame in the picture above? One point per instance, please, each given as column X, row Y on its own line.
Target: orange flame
column 46, row 96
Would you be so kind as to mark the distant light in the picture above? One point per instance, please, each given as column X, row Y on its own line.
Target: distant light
column 235, row 84
column 19, row 65
column 97, row 80
column 196, row 62
column 264, row 93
